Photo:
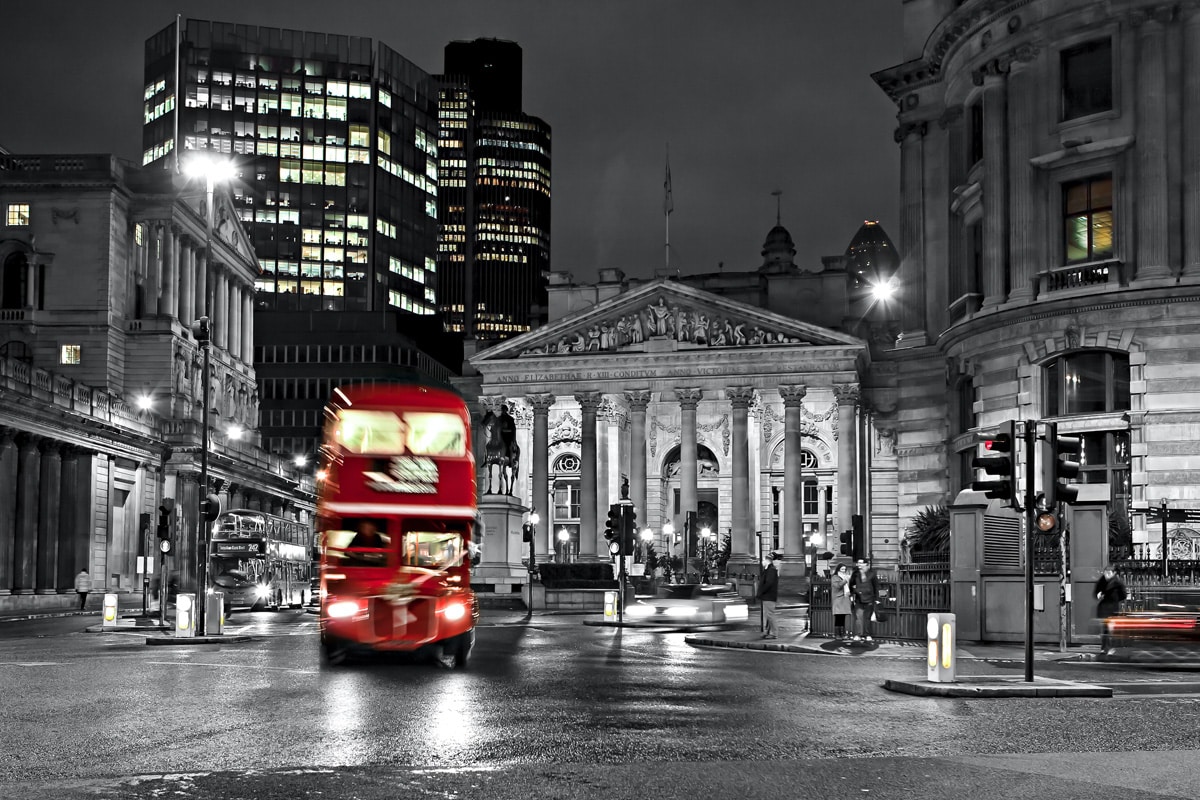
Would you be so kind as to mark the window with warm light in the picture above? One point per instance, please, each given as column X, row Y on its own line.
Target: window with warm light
column 1088, row 219
column 17, row 215
column 70, row 354
column 1087, row 382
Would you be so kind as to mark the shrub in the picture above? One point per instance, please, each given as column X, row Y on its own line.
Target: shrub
column 592, row 575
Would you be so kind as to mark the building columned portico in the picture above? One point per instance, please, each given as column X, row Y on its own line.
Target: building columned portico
column 747, row 417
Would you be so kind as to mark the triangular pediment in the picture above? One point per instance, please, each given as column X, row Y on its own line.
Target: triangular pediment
column 666, row 311
column 227, row 230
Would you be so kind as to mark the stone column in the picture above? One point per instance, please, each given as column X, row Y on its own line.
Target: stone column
column 235, row 319
column 847, row 489
column 995, row 183
column 1191, row 142
column 49, row 503
column 793, row 477
column 638, row 400
column 248, row 325
column 1151, row 116
column 689, row 399
column 8, row 507
column 743, row 544
column 154, row 272
column 220, row 322
column 589, row 403
column 31, row 282
column 187, row 281
column 541, row 404
column 1023, row 93
column 170, row 287
column 67, row 523
column 822, row 522
column 25, row 543
column 911, row 138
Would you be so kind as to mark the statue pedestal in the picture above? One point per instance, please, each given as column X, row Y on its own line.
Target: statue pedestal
column 502, row 516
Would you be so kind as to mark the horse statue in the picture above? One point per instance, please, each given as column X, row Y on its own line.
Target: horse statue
column 501, row 449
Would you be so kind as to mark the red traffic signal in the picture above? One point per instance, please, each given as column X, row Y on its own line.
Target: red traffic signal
column 1003, row 465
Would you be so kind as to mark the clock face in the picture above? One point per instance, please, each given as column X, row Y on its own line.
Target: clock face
column 164, row 545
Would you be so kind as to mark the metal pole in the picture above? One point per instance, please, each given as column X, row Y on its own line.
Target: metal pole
column 762, row 617
column 1165, row 569
column 1030, row 522
column 621, row 556
column 205, row 346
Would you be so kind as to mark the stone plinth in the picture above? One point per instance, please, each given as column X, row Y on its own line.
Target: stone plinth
column 501, row 516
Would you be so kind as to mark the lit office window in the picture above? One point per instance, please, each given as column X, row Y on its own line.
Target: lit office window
column 70, row 354
column 1088, row 219
column 17, row 215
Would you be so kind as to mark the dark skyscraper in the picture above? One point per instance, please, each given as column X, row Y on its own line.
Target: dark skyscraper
column 503, row 226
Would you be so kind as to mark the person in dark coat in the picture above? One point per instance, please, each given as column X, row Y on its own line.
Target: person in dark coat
column 864, row 592
column 1109, row 591
column 768, row 594
column 839, row 588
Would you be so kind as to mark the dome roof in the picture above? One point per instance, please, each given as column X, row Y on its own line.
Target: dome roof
column 871, row 256
column 779, row 252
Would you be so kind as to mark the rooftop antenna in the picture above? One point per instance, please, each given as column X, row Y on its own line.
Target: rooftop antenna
column 777, row 194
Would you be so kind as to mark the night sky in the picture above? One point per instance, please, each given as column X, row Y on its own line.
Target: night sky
column 752, row 96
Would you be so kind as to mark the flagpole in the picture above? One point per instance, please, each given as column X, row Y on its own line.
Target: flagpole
column 668, row 207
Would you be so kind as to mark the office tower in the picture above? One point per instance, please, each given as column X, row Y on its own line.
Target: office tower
column 335, row 140
column 336, row 145
column 502, row 226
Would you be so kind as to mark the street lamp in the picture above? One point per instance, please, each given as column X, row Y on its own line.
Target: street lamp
column 668, row 530
column 211, row 170
column 705, row 536
column 564, row 538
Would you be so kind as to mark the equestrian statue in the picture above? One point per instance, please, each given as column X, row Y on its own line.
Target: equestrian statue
column 501, row 449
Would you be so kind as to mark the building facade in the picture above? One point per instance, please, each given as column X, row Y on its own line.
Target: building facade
column 1050, row 239
column 495, row 194
column 750, row 399
column 105, row 267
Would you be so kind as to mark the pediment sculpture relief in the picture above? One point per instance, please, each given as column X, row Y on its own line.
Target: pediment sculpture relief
column 659, row 321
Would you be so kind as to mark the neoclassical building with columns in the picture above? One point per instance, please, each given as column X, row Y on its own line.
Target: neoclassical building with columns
column 103, row 268
column 705, row 396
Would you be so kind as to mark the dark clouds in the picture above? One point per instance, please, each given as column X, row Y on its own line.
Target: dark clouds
column 752, row 95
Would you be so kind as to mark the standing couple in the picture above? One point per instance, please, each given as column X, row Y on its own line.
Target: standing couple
column 856, row 594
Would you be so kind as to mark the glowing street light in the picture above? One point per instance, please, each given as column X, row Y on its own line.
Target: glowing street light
column 300, row 461
column 145, row 402
column 564, row 536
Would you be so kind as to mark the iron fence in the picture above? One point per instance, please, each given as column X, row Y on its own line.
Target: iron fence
column 909, row 592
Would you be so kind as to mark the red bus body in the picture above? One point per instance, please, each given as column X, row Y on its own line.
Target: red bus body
column 395, row 516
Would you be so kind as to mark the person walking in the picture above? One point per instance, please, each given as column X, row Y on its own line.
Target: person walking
column 768, row 594
column 864, row 591
column 1109, row 591
column 839, row 587
column 83, row 585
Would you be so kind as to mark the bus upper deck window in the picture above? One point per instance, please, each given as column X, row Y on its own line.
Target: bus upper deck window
column 370, row 431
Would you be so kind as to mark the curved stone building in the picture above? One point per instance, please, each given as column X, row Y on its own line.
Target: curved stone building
column 1050, row 239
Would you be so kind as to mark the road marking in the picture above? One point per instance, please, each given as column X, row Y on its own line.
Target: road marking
column 234, row 666
column 31, row 663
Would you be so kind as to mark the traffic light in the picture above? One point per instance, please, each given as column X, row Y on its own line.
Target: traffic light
column 858, row 544
column 630, row 528
column 201, row 330
column 846, row 545
column 164, row 529
column 1061, row 466
column 1000, row 462
column 527, row 532
column 612, row 528
column 210, row 508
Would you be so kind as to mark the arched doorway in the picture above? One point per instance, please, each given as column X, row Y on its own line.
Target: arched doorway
column 707, row 511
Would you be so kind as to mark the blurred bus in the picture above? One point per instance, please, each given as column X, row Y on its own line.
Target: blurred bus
column 396, row 511
column 260, row 561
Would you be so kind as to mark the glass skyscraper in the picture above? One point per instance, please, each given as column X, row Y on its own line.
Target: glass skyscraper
column 336, row 144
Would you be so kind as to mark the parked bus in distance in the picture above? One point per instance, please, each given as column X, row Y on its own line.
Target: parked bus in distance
column 260, row 561
column 395, row 515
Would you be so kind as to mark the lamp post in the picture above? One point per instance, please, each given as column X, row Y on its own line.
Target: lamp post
column 668, row 535
column 212, row 170
column 705, row 555
column 564, row 538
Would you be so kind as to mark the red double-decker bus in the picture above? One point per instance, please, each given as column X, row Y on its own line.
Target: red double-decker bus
column 395, row 516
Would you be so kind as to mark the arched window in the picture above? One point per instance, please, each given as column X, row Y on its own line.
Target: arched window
column 1086, row 382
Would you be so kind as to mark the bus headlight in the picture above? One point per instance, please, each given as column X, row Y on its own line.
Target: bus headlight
column 455, row 611
column 342, row 608
column 262, row 591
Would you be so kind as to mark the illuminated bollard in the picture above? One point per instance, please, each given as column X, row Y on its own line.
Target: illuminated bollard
column 110, row 611
column 185, row 615
column 214, row 614
column 610, row 605
column 941, row 633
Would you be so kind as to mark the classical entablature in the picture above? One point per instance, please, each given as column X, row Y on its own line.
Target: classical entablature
column 664, row 331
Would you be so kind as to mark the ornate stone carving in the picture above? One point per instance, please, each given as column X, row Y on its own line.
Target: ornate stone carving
column 589, row 401
column 846, row 393
column 740, row 396
column 885, row 442
column 565, row 431
column 638, row 399
column 64, row 213
column 720, row 426
column 689, row 398
column 672, row 432
column 540, row 403
column 793, row 394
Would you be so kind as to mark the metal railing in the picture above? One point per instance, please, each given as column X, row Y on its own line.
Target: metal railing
column 908, row 592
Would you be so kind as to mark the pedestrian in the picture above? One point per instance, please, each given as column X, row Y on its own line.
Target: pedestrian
column 83, row 585
column 864, row 592
column 1109, row 591
column 768, row 594
column 839, row 587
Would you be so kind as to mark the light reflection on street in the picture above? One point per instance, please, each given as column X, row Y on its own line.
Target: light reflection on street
column 343, row 716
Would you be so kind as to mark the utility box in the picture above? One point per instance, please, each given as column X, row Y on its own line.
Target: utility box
column 214, row 614
column 941, row 633
column 110, row 611
column 185, row 615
